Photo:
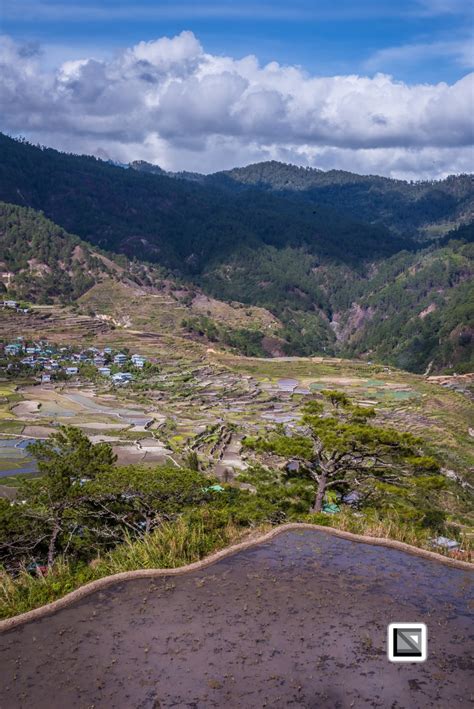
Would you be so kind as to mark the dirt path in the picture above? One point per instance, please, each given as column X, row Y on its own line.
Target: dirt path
column 297, row 621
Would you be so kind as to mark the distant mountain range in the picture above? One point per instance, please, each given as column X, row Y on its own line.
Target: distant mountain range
column 347, row 264
column 423, row 209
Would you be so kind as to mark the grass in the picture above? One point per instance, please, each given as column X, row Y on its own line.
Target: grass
column 11, row 426
column 188, row 539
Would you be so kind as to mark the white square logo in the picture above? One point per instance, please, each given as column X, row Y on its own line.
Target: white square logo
column 407, row 642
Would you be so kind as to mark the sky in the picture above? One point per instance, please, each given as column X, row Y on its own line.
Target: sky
column 372, row 86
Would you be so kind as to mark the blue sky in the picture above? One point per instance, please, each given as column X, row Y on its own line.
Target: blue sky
column 371, row 86
column 415, row 40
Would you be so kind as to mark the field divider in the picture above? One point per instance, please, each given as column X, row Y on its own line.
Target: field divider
column 99, row 584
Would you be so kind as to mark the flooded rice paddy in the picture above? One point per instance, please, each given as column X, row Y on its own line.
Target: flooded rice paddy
column 298, row 621
column 15, row 458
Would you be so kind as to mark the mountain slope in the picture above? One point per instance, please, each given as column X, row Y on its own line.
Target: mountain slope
column 423, row 208
column 415, row 310
column 178, row 223
column 44, row 262
column 327, row 284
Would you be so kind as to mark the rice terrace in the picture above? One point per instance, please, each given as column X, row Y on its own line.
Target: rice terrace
column 276, row 624
column 236, row 355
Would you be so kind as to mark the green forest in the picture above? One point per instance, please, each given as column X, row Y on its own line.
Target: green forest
column 359, row 280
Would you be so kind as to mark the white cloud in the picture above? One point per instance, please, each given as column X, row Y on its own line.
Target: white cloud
column 168, row 101
column 445, row 7
column 461, row 51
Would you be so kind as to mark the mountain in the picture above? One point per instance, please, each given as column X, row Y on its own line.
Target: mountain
column 43, row 262
column 413, row 310
column 420, row 209
column 327, row 282
column 178, row 223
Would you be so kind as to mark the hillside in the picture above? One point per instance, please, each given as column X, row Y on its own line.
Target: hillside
column 414, row 310
column 43, row 262
column 325, row 284
column 177, row 223
column 423, row 209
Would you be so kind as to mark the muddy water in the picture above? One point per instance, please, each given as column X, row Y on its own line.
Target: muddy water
column 297, row 622
column 287, row 384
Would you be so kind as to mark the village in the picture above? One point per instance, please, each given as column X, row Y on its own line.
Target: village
column 48, row 362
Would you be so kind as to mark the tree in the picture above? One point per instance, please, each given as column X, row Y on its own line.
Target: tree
column 67, row 460
column 341, row 448
column 192, row 460
column 140, row 499
column 83, row 503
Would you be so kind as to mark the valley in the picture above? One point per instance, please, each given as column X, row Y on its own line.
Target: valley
column 268, row 260
column 176, row 355
column 197, row 395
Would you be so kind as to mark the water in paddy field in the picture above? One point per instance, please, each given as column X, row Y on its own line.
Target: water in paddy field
column 298, row 621
column 287, row 384
column 14, row 450
column 19, row 443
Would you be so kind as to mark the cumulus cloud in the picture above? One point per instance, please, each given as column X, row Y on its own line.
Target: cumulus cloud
column 170, row 102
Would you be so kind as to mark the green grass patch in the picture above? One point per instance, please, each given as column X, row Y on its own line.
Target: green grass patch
column 188, row 539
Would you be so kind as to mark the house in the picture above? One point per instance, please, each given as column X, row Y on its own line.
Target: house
column 122, row 377
column 104, row 371
column 13, row 350
column 10, row 304
column 71, row 371
column 46, row 379
column 138, row 361
column 99, row 361
column 120, row 359
column 29, row 361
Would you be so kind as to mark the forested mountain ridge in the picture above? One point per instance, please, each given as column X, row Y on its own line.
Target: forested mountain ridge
column 43, row 262
column 333, row 285
column 177, row 223
column 414, row 310
column 422, row 209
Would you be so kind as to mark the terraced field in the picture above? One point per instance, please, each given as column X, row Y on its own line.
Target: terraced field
column 297, row 621
column 205, row 400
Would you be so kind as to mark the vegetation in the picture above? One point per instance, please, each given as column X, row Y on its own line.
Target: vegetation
column 180, row 224
column 84, row 518
column 336, row 258
column 340, row 450
column 47, row 262
column 401, row 206
column 247, row 342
